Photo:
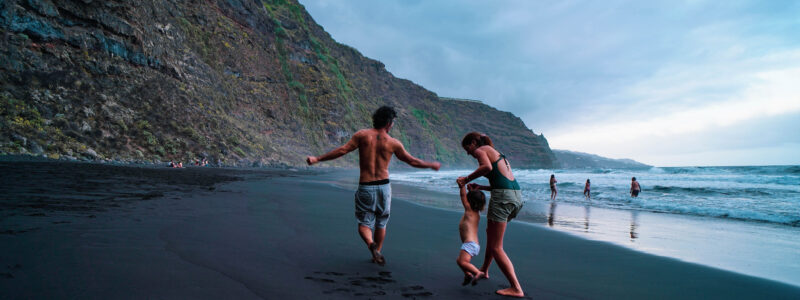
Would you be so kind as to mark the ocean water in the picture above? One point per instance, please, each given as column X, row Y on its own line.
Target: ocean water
column 769, row 194
column 741, row 219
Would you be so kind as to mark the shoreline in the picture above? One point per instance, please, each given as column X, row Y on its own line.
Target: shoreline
column 418, row 196
column 282, row 234
column 762, row 249
column 710, row 242
column 725, row 244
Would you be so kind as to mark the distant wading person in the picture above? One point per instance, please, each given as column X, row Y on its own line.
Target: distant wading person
column 373, row 198
column 553, row 189
column 504, row 204
column 635, row 188
column 587, row 190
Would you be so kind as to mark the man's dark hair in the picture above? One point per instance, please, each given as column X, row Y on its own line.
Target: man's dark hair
column 476, row 200
column 383, row 116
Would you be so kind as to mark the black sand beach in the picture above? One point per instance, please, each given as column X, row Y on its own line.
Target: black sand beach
column 127, row 232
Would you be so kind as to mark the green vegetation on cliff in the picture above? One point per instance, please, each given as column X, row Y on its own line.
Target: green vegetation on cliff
column 242, row 82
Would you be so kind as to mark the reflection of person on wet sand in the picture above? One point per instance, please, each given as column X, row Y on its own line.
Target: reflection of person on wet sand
column 634, row 216
column 374, row 195
column 586, row 217
column 552, row 216
column 473, row 202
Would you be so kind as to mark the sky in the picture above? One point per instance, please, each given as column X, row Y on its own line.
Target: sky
column 666, row 83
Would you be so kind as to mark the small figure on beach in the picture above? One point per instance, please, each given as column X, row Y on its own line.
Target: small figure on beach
column 473, row 202
column 504, row 204
column 635, row 188
column 373, row 197
column 587, row 190
column 553, row 190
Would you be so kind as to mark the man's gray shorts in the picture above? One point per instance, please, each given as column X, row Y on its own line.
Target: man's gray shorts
column 373, row 203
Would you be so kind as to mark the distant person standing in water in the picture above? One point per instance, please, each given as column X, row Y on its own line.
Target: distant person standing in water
column 635, row 188
column 587, row 190
column 504, row 204
column 373, row 198
column 553, row 190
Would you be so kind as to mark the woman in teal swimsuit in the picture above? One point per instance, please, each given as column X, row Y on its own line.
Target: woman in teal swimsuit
column 504, row 204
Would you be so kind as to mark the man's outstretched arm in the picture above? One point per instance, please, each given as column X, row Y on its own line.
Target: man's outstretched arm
column 335, row 153
column 405, row 157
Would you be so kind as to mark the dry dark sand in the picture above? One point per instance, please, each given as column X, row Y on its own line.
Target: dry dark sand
column 287, row 235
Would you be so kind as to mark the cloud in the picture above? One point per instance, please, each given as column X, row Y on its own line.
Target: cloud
column 589, row 73
column 672, row 104
column 780, row 154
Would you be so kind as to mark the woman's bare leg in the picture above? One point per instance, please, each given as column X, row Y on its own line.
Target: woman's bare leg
column 495, row 233
column 488, row 256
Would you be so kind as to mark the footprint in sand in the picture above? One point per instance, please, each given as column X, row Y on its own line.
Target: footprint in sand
column 320, row 279
column 370, row 286
column 330, row 273
column 370, row 279
column 415, row 291
column 338, row 290
column 8, row 275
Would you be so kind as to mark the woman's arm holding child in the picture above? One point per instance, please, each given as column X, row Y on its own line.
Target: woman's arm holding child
column 475, row 186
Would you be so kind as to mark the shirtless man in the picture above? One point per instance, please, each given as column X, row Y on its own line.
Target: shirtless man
column 374, row 195
column 635, row 188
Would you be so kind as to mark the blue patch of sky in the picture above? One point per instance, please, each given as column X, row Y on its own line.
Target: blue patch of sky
column 563, row 66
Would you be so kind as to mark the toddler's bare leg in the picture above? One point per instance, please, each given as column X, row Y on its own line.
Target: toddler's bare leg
column 463, row 261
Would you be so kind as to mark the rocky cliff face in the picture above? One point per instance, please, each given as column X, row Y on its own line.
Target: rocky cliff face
column 240, row 81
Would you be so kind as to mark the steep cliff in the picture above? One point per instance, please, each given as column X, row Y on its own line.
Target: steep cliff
column 240, row 81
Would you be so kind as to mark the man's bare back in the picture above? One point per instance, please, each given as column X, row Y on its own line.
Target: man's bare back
column 375, row 150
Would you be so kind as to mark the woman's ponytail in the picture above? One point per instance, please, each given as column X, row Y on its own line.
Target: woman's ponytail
column 485, row 140
column 478, row 138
